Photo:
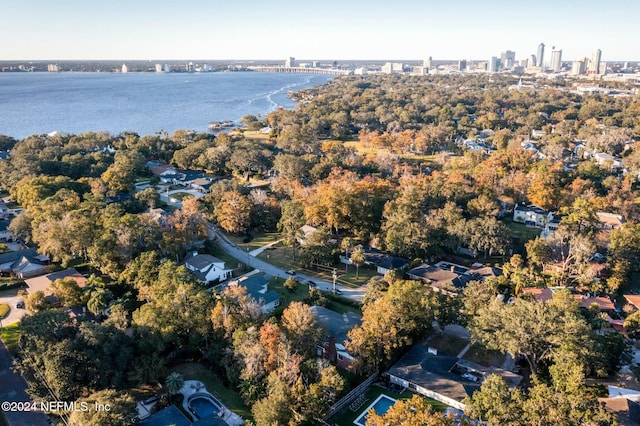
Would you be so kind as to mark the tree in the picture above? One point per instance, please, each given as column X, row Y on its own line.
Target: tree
column 68, row 292
column 394, row 321
column 174, row 383
column 36, row 302
column 301, row 327
column 415, row 411
column 357, row 258
column 495, row 403
column 99, row 301
column 291, row 284
column 233, row 212
column 318, row 248
column 291, row 221
column 535, row 331
column 121, row 410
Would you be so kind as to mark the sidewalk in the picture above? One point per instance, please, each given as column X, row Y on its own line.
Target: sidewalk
column 259, row 250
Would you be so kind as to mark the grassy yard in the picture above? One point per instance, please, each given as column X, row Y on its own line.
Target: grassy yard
column 230, row 398
column 335, row 303
column 10, row 335
column 447, row 344
column 346, row 416
column 4, row 310
column 521, row 231
column 180, row 195
column 259, row 239
column 483, row 356
column 282, row 258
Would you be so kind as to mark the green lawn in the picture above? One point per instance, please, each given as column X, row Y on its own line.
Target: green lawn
column 4, row 310
column 282, row 258
column 286, row 297
column 259, row 239
column 480, row 355
column 520, row 230
column 447, row 344
column 230, row 398
column 10, row 335
column 346, row 417
column 180, row 195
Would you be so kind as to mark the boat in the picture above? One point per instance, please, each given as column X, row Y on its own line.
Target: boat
column 217, row 125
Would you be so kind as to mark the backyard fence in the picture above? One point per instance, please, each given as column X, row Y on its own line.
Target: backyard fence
column 351, row 396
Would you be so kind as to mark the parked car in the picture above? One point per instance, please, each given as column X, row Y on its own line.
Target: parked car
column 20, row 304
column 338, row 291
column 291, row 272
column 311, row 283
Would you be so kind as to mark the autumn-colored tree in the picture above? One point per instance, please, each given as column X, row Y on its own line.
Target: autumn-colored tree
column 301, row 327
column 415, row 411
column 233, row 212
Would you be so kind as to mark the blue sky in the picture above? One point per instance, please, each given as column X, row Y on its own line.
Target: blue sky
column 326, row 29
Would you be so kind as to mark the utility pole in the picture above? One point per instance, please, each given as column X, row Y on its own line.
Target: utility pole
column 334, row 275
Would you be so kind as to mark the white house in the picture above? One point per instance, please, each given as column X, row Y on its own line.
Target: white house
column 532, row 215
column 207, row 268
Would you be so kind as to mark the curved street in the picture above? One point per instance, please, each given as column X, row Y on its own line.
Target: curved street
column 243, row 256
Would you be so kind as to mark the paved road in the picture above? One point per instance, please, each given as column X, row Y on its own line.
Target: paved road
column 245, row 257
column 12, row 389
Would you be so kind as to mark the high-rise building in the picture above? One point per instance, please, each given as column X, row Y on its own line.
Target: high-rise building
column 53, row 68
column 462, row 65
column 594, row 64
column 427, row 63
column 556, row 59
column 290, row 63
column 167, row 68
column 540, row 55
column 507, row 59
column 577, row 68
column 494, row 64
column 158, row 67
column 124, row 69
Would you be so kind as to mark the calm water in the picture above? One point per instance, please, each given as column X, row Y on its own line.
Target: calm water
column 36, row 103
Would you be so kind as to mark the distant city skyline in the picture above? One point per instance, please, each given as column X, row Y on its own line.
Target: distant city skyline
column 328, row 30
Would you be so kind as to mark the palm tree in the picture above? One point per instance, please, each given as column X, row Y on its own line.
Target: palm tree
column 346, row 244
column 99, row 301
column 174, row 383
column 357, row 258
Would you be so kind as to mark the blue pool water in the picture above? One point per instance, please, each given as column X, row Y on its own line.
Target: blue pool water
column 380, row 405
column 203, row 406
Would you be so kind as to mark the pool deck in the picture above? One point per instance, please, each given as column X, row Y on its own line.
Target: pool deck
column 358, row 420
column 194, row 386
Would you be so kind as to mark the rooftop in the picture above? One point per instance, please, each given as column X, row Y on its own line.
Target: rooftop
column 201, row 261
column 336, row 324
column 43, row 282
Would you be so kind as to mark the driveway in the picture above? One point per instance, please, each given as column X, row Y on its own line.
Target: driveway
column 11, row 298
column 243, row 256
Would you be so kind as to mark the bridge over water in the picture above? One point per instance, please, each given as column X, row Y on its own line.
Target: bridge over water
column 301, row 70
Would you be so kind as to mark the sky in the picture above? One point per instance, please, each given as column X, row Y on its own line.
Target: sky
column 321, row 29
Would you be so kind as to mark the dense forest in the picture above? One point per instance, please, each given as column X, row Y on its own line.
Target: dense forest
column 374, row 161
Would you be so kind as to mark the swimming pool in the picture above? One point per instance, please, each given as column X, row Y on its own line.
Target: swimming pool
column 203, row 405
column 381, row 405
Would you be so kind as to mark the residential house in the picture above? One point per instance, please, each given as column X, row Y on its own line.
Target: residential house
column 201, row 185
column 444, row 280
column 304, row 233
column 207, row 268
column 608, row 161
column 337, row 326
column 158, row 216
column 633, row 299
column 609, row 221
column 5, row 235
column 444, row 378
column 531, row 215
column 23, row 263
column 383, row 262
column 257, row 287
column 537, row 134
column 43, row 282
column 624, row 404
